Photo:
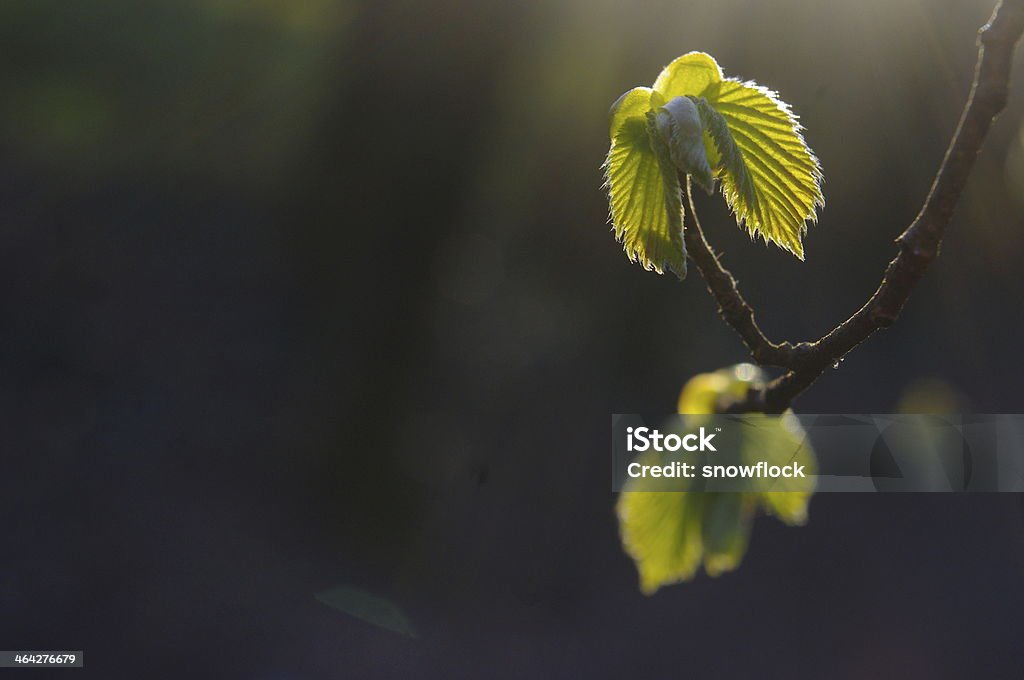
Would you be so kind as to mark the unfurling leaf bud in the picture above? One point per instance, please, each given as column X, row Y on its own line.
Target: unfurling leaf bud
column 679, row 124
column 696, row 122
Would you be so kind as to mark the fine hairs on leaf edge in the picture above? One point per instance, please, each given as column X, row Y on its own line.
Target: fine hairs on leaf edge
column 776, row 199
column 675, row 259
column 816, row 174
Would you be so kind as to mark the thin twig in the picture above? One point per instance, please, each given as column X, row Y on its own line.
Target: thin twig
column 918, row 245
column 732, row 306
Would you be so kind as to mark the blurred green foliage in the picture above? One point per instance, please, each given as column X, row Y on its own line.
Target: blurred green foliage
column 669, row 534
column 223, row 89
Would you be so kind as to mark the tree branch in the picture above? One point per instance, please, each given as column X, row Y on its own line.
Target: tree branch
column 731, row 304
column 918, row 245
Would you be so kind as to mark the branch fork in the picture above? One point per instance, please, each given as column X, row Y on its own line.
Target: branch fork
column 918, row 245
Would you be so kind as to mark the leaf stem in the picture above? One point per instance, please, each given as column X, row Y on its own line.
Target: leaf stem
column 732, row 306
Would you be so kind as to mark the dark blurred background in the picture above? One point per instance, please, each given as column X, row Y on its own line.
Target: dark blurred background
column 300, row 295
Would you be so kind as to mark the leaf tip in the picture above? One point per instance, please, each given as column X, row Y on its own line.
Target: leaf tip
column 678, row 268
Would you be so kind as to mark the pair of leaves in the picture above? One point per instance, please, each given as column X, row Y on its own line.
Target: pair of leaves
column 750, row 141
column 670, row 533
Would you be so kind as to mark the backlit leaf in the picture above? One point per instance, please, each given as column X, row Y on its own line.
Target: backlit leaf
column 644, row 195
column 634, row 104
column 726, row 157
column 752, row 143
column 725, row 530
column 661, row 531
column 785, row 174
column 689, row 75
column 779, row 440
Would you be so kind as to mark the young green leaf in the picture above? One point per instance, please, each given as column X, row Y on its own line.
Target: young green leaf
column 725, row 530
column 646, row 206
column 688, row 76
column 730, row 168
column 661, row 531
column 752, row 143
column 785, row 174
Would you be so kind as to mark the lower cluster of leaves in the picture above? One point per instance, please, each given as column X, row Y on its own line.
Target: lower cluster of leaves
column 671, row 533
